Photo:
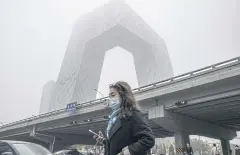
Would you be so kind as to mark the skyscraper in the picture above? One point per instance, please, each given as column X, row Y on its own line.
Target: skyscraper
column 114, row 24
column 46, row 97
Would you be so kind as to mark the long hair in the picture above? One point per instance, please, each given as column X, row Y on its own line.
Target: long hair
column 128, row 101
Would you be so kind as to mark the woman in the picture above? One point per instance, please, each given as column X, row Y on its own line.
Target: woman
column 128, row 131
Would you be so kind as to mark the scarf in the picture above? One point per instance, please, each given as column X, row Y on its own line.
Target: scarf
column 112, row 119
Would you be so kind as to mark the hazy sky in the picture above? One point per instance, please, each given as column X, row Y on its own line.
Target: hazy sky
column 34, row 35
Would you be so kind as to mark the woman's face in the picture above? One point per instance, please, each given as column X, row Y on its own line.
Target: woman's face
column 113, row 93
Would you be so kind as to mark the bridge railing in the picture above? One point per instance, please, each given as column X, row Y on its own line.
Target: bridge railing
column 155, row 85
column 188, row 75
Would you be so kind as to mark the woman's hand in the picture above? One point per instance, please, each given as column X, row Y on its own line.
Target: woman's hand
column 99, row 138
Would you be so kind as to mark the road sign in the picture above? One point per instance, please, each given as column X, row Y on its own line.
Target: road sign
column 71, row 106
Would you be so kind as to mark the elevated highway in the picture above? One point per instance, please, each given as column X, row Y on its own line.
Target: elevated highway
column 203, row 102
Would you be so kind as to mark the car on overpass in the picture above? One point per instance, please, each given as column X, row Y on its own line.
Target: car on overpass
column 8, row 147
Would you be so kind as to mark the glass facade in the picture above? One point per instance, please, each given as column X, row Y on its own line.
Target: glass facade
column 114, row 24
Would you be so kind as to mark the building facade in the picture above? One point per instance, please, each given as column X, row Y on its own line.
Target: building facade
column 114, row 24
column 46, row 97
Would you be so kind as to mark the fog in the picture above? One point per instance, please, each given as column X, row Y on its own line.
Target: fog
column 34, row 35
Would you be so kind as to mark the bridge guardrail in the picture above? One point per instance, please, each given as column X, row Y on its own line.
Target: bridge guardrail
column 185, row 76
column 188, row 75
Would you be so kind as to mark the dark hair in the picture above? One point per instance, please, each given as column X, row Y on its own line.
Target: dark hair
column 128, row 100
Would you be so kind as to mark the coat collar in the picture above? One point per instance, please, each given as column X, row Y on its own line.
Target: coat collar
column 116, row 126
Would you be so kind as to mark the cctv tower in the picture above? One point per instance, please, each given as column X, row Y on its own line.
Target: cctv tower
column 114, row 24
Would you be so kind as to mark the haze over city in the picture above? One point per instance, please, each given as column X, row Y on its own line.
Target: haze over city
column 34, row 37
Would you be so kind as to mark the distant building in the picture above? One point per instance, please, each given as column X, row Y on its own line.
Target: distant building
column 46, row 97
column 114, row 24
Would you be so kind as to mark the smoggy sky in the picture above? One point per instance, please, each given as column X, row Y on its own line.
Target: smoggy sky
column 34, row 35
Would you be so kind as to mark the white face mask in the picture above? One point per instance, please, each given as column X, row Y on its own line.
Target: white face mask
column 114, row 103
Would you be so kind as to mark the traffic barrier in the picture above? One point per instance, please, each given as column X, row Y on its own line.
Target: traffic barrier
column 180, row 150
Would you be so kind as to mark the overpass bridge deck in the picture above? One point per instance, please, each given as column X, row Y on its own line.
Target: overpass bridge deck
column 223, row 111
column 212, row 75
column 100, row 125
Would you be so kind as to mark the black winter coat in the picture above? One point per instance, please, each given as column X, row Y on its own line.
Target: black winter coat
column 133, row 132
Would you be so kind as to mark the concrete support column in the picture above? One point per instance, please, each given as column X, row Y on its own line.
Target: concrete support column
column 181, row 139
column 225, row 146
